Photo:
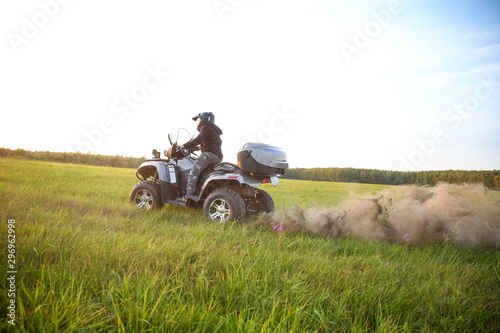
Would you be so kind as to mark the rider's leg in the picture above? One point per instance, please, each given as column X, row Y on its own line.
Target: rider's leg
column 199, row 165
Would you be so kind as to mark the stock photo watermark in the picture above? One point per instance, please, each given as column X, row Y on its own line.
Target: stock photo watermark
column 453, row 117
column 363, row 36
column 11, row 272
column 282, row 117
column 121, row 108
column 223, row 7
column 31, row 26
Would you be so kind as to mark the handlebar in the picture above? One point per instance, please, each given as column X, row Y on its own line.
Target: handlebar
column 177, row 152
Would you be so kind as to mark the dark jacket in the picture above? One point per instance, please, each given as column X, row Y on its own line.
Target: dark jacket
column 209, row 138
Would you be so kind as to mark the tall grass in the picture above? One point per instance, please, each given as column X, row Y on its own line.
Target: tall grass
column 88, row 261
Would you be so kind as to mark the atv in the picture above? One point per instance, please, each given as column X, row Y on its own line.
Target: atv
column 225, row 191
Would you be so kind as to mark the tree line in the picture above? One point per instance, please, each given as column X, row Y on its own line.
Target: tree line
column 77, row 158
column 490, row 178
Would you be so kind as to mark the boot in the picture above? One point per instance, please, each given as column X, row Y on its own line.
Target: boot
column 192, row 197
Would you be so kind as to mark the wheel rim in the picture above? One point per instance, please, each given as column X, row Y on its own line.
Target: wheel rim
column 219, row 210
column 144, row 199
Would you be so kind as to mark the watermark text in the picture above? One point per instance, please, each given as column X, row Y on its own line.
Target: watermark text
column 452, row 118
column 11, row 272
column 31, row 26
column 363, row 37
column 281, row 118
column 121, row 108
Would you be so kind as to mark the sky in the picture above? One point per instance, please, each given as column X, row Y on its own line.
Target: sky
column 378, row 84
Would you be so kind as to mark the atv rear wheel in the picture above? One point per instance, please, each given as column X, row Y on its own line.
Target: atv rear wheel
column 224, row 204
column 146, row 195
column 265, row 201
column 261, row 203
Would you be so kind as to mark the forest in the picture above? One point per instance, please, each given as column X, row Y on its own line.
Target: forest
column 77, row 158
column 489, row 178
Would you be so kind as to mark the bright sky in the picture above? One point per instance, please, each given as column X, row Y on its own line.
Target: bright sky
column 387, row 84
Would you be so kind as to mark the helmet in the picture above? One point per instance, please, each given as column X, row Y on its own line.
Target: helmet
column 204, row 118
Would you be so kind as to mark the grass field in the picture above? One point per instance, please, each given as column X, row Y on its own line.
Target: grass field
column 88, row 261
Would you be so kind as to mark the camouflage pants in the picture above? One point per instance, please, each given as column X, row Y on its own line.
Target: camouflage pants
column 199, row 165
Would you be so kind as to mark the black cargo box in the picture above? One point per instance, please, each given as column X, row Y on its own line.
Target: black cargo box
column 262, row 159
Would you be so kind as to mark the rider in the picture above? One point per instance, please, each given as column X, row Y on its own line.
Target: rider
column 211, row 152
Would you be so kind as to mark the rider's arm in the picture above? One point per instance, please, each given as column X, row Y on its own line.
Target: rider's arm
column 199, row 139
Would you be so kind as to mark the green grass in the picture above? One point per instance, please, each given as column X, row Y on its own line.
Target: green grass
column 88, row 261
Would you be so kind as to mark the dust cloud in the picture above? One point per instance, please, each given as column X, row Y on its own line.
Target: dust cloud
column 465, row 215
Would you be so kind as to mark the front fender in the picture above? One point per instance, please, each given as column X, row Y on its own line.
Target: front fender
column 155, row 169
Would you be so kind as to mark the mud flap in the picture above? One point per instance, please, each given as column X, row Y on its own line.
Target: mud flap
column 169, row 192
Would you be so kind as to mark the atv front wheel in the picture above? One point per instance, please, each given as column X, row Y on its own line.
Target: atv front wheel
column 224, row 204
column 146, row 195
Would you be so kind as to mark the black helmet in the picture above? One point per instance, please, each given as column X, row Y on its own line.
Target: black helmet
column 204, row 118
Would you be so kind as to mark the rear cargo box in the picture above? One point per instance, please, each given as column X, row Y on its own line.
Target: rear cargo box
column 262, row 159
